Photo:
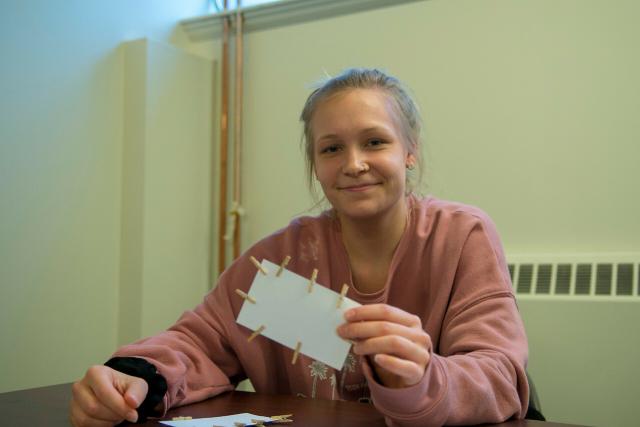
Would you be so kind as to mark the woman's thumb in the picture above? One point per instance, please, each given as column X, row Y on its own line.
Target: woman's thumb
column 135, row 392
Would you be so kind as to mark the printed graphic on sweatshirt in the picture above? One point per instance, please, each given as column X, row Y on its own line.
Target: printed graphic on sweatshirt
column 318, row 370
column 353, row 385
column 309, row 250
column 348, row 384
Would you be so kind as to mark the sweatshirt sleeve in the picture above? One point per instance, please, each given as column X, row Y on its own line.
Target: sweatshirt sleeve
column 196, row 355
column 477, row 371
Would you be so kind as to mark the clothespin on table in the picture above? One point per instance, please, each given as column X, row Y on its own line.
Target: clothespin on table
column 281, row 419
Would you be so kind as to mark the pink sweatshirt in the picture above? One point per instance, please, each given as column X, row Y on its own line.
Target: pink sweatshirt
column 449, row 269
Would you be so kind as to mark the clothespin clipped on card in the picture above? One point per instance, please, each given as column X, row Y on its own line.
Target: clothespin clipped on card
column 245, row 296
column 296, row 352
column 343, row 292
column 312, row 281
column 256, row 333
column 283, row 265
column 258, row 265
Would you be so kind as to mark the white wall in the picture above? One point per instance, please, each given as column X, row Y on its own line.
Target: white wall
column 61, row 132
column 584, row 358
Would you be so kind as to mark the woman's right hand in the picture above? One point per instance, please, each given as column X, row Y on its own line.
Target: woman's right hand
column 106, row 397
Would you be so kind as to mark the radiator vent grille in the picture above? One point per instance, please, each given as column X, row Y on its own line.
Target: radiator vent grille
column 583, row 279
column 543, row 282
column 525, row 277
column 616, row 275
column 625, row 279
column 563, row 279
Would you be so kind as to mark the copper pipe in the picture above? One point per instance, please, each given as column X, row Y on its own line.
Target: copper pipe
column 224, row 147
column 237, row 138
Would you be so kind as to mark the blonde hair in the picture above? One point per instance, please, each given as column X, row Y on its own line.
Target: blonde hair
column 366, row 78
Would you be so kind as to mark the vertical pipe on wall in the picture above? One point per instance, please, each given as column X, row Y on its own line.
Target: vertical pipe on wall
column 224, row 145
column 237, row 137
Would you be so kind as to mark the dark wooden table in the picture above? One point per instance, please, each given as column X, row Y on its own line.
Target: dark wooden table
column 49, row 406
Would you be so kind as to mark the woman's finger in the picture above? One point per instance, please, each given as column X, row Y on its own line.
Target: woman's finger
column 393, row 345
column 80, row 419
column 91, row 406
column 106, row 384
column 370, row 329
column 409, row 371
column 382, row 312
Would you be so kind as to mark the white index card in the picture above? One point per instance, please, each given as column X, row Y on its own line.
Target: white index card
column 226, row 421
column 290, row 313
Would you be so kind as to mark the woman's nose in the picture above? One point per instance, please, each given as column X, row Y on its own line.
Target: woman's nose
column 355, row 163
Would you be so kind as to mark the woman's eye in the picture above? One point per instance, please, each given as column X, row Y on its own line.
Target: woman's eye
column 330, row 149
column 375, row 142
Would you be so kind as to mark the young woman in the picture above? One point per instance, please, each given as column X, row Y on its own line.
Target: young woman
column 438, row 338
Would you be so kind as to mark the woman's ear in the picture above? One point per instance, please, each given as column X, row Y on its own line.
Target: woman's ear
column 411, row 160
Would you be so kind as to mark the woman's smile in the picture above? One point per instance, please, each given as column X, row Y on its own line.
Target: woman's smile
column 361, row 154
column 358, row 188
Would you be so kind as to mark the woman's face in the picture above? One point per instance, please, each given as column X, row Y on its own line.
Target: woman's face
column 360, row 156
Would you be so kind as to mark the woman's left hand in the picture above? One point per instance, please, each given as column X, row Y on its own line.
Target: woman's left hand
column 393, row 339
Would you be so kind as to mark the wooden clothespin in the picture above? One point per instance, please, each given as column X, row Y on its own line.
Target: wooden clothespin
column 259, row 266
column 343, row 292
column 239, row 424
column 258, row 422
column 295, row 353
column 281, row 419
column 283, row 265
column 246, row 296
column 312, row 281
column 256, row 333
